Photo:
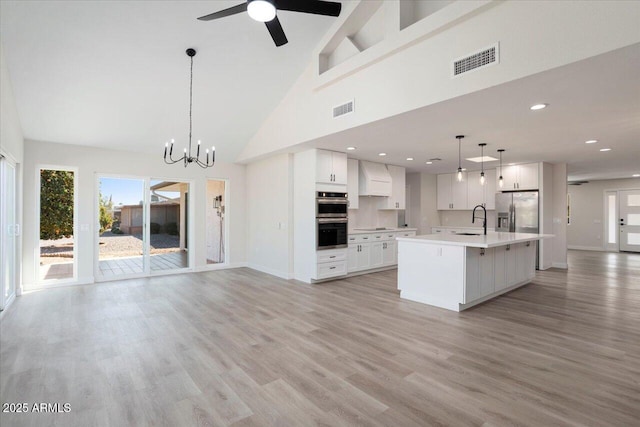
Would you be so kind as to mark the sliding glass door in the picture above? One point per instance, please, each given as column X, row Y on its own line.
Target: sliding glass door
column 121, row 241
column 10, row 230
column 143, row 226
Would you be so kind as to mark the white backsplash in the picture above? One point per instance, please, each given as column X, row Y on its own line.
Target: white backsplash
column 463, row 219
column 367, row 215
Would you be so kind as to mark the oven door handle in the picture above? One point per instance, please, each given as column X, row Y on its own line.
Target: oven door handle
column 332, row 201
column 330, row 220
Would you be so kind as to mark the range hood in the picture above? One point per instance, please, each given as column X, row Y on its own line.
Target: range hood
column 374, row 179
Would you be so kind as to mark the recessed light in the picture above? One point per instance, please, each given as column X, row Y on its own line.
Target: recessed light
column 351, row 148
column 429, row 163
column 382, row 154
column 538, row 106
column 605, row 149
column 636, row 175
column 512, row 164
column 591, row 141
column 409, row 158
column 464, row 169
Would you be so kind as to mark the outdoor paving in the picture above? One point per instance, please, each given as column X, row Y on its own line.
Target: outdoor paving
column 119, row 255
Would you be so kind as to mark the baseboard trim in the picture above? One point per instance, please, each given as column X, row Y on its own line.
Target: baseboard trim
column 214, row 267
column 586, row 248
column 562, row 265
column 270, row 271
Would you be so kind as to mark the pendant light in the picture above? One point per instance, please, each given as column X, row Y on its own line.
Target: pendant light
column 187, row 158
column 459, row 138
column 500, row 180
column 482, row 179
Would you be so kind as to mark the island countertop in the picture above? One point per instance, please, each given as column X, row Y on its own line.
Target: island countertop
column 491, row 240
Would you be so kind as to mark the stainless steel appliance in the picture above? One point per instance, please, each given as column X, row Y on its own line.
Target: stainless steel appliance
column 517, row 212
column 331, row 205
column 331, row 233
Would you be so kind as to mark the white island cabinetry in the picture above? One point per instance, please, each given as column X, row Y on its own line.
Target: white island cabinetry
column 456, row 272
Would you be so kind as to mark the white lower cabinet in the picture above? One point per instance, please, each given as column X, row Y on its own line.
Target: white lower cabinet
column 331, row 263
column 479, row 273
column 494, row 269
column 375, row 250
column 389, row 253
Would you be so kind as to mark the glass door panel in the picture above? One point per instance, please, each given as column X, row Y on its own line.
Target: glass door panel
column 168, row 226
column 121, row 213
column 57, row 225
column 215, row 211
column 9, row 232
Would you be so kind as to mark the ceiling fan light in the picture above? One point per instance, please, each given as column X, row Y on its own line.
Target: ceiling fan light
column 261, row 10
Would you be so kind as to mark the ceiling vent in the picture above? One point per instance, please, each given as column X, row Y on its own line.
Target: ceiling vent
column 477, row 60
column 578, row 182
column 343, row 109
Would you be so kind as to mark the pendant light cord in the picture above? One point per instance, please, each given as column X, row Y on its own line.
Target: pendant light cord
column 459, row 155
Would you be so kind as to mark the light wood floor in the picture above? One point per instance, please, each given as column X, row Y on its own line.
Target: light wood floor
column 242, row 348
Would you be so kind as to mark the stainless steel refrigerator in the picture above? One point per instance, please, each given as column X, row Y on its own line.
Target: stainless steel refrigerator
column 517, row 212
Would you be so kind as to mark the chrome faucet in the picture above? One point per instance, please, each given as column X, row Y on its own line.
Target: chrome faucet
column 484, row 219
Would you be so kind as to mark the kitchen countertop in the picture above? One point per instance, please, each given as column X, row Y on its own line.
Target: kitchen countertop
column 489, row 241
column 453, row 227
column 386, row 230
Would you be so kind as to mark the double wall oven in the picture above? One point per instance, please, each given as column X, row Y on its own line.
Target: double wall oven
column 331, row 220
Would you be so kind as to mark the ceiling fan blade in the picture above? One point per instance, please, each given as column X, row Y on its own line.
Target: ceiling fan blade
column 226, row 12
column 276, row 31
column 317, row 7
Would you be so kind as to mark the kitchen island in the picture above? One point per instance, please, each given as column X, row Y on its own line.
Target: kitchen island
column 459, row 271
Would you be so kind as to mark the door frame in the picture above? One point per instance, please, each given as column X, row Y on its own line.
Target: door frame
column 6, row 159
column 146, row 228
column 619, row 200
column 227, row 219
column 606, row 246
column 43, row 283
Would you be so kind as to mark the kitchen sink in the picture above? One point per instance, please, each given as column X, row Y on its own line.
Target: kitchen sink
column 467, row 234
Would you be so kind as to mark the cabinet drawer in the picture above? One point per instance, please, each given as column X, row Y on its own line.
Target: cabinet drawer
column 406, row 234
column 331, row 255
column 332, row 269
column 363, row 238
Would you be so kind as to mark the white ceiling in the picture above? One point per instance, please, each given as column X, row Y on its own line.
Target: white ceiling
column 598, row 98
column 115, row 73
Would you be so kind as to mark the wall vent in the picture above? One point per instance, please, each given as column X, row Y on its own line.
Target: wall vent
column 343, row 109
column 477, row 60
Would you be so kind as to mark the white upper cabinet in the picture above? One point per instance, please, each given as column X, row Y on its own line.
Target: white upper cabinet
column 478, row 194
column 331, row 167
column 451, row 193
column 518, row 177
column 352, row 183
column 398, row 189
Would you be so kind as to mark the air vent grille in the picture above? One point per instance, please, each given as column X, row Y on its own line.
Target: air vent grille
column 343, row 109
column 480, row 59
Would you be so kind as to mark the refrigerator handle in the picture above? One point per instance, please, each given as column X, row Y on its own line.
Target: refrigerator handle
column 512, row 217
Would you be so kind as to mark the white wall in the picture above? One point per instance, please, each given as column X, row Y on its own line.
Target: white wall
column 463, row 219
column 269, row 215
column 407, row 76
column 368, row 215
column 11, row 139
column 586, row 230
column 422, row 204
column 12, row 147
column 559, row 215
column 91, row 161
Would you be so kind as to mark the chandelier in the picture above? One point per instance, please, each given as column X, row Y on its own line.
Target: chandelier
column 187, row 156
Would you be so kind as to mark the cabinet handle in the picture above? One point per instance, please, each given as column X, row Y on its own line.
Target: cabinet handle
column 508, row 247
column 528, row 244
column 332, row 268
column 332, row 256
column 481, row 251
column 365, row 238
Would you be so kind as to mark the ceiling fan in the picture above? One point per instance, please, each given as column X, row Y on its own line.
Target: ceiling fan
column 265, row 11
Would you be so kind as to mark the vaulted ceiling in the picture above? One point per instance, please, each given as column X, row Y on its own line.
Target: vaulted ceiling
column 115, row 74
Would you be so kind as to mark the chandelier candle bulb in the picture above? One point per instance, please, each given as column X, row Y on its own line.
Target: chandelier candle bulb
column 198, row 152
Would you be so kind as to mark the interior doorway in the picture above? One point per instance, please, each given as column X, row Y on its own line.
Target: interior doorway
column 216, row 227
column 57, row 224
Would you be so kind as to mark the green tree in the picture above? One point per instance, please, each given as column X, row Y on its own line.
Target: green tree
column 106, row 207
column 56, row 204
